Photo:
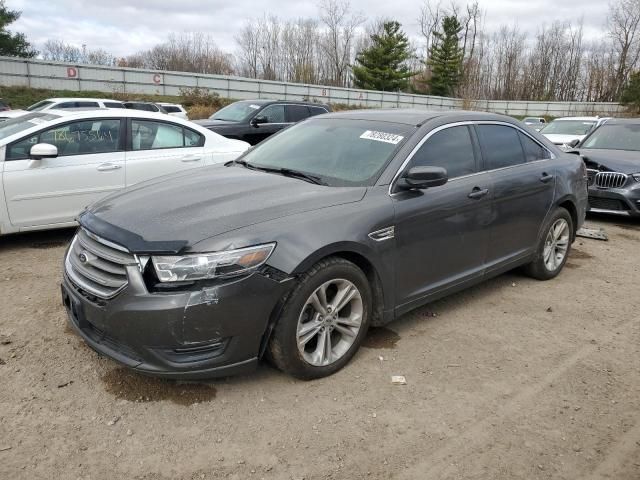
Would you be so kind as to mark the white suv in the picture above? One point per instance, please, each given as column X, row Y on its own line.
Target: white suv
column 63, row 103
column 175, row 110
column 54, row 163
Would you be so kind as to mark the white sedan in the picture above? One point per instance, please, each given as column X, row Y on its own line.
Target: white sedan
column 56, row 162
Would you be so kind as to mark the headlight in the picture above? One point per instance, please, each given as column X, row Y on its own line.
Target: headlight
column 211, row 265
column 636, row 177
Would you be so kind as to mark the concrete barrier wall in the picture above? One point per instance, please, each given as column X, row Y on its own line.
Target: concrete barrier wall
column 62, row 76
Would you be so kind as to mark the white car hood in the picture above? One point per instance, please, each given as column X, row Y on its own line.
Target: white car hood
column 560, row 139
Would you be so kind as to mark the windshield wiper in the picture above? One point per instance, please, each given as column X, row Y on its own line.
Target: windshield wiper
column 289, row 172
column 244, row 163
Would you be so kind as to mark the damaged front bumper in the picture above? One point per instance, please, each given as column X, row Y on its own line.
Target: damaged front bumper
column 196, row 333
column 618, row 201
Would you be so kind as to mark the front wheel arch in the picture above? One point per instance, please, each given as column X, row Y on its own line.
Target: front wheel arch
column 357, row 258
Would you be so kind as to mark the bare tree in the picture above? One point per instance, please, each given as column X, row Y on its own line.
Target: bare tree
column 341, row 25
column 59, row 51
column 624, row 29
column 188, row 52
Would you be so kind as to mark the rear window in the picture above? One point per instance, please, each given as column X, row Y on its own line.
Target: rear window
column 500, row 145
column 169, row 109
column 39, row 105
column 297, row 112
column 147, row 107
column 317, row 111
column 85, row 104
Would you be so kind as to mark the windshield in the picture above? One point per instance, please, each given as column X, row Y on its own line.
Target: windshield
column 338, row 152
column 39, row 106
column 615, row 137
column 569, row 127
column 23, row 122
column 236, row 112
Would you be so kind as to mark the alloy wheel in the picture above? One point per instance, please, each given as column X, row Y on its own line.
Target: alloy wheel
column 329, row 322
column 556, row 244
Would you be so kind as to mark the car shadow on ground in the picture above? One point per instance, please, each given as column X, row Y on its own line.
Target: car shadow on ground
column 627, row 223
column 39, row 239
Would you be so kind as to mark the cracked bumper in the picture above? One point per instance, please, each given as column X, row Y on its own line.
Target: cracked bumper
column 200, row 333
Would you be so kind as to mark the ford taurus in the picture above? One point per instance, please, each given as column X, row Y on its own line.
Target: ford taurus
column 296, row 248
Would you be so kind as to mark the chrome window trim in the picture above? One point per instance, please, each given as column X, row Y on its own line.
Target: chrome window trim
column 552, row 156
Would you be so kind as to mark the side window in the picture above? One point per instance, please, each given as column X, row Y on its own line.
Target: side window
column 273, row 114
column 295, row 113
column 87, row 104
column 113, row 105
column 84, row 137
column 77, row 138
column 500, row 146
column 149, row 135
column 65, row 105
column 20, row 149
column 317, row 111
column 533, row 150
column 451, row 149
column 193, row 139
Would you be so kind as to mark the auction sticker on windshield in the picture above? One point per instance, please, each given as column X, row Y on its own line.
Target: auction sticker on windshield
column 382, row 137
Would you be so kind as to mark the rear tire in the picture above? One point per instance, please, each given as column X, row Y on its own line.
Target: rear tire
column 323, row 320
column 553, row 246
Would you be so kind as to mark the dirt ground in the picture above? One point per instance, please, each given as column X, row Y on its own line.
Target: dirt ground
column 513, row 379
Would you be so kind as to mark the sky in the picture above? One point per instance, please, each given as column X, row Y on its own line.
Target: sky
column 123, row 27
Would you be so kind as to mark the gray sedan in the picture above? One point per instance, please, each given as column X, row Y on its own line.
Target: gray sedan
column 293, row 251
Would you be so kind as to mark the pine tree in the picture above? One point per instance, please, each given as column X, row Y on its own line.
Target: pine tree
column 12, row 44
column 631, row 94
column 445, row 58
column 383, row 66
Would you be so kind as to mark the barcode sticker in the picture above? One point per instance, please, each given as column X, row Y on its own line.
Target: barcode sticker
column 382, row 137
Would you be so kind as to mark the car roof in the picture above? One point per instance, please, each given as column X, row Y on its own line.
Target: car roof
column 290, row 102
column 105, row 112
column 623, row 121
column 594, row 119
column 79, row 99
column 416, row 117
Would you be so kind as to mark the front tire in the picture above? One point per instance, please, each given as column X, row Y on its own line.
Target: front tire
column 553, row 246
column 323, row 321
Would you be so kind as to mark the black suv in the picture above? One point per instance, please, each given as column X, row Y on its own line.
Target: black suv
column 255, row 120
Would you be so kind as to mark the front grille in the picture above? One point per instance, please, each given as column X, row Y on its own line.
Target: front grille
column 610, row 179
column 96, row 265
column 607, row 204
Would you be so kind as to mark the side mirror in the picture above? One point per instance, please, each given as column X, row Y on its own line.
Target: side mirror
column 573, row 143
column 43, row 150
column 258, row 120
column 424, row 177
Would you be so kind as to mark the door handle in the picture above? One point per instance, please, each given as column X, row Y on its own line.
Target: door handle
column 190, row 159
column 478, row 192
column 105, row 167
column 545, row 178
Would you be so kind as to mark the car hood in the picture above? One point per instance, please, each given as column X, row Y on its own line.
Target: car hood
column 559, row 139
column 170, row 214
column 611, row 160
